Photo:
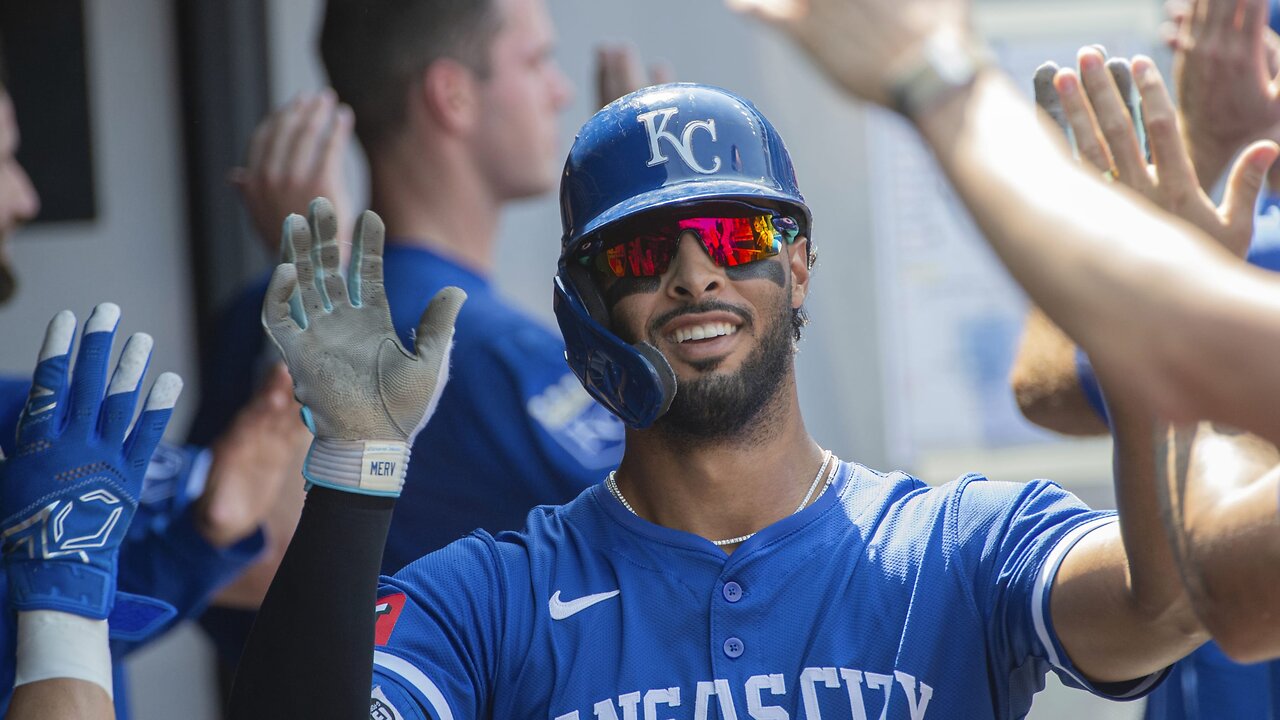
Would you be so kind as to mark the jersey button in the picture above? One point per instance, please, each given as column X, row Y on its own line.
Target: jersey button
column 732, row 591
column 733, row 647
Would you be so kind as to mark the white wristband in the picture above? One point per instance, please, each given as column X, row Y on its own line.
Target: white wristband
column 368, row 467
column 54, row 644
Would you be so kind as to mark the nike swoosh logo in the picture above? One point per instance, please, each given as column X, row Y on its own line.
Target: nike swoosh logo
column 561, row 610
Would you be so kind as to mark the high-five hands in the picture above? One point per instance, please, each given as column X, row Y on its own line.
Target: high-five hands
column 295, row 155
column 365, row 397
column 865, row 45
column 1109, row 123
column 72, row 485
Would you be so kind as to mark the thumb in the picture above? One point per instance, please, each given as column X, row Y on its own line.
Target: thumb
column 1245, row 182
column 435, row 329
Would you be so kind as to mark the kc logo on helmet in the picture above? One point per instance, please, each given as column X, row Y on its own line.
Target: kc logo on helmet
column 655, row 123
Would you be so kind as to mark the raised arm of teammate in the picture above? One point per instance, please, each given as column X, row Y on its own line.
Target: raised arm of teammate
column 67, row 496
column 365, row 398
column 1222, row 516
column 1052, row 381
column 1196, row 332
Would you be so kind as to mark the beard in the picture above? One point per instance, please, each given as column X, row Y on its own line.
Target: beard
column 734, row 407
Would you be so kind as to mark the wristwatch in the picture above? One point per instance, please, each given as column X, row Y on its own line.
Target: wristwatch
column 945, row 64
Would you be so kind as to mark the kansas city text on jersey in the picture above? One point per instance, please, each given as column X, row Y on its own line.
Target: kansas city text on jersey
column 868, row 695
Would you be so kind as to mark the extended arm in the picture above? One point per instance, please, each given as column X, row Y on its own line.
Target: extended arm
column 1045, row 382
column 1222, row 501
column 310, row 652
column 1195, row 331
column 1118, row 605
column 67, row 498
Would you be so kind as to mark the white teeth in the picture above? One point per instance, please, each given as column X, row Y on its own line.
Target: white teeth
column 702, row 332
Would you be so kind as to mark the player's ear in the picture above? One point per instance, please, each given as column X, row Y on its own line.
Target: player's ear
column 798, row 258
column 449, row 94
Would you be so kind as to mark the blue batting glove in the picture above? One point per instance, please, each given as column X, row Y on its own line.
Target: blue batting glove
column 70, row 490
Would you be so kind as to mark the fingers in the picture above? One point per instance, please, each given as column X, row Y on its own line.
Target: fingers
column 1084, row 127
column 309, row 287
column 122, row 393
column 303, row 153
column 364, row 276
column 1048, row 100
column 285, row 128
column 335, row 144
column 618, row 72
column 1113, row 119
column 661, row 72
column 90, row 377
column 435, row 329
column 151, row 423
column 47, row 401
column 324, row 253
column 775, row 11
column 277, row 315
column 1122, row 75
column 1168, row 151
column 1245, row 183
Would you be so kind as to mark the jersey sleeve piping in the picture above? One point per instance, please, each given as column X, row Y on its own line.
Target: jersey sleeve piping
column 1040, row 614
column 953, row 522
column 402, row 670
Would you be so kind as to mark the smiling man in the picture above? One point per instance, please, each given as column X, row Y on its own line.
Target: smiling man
column 730, row 567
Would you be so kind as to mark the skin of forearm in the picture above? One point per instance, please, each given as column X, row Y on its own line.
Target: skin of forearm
column 61, row 698
column 1045, row 383
column 1129, row 614
column 1225, row 522
column 1109, row 269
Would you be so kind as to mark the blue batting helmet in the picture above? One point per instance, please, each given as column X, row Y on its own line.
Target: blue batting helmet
column 661, row 147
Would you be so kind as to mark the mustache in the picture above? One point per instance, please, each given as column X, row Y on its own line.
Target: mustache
column 702, row 307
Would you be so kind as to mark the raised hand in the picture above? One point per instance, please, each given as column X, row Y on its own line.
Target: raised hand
column 865, row 45
column 295, row 155
column 71, row 488
column 619, row 72
column 1224, row 70
column 1107, row 125
column 365, row 397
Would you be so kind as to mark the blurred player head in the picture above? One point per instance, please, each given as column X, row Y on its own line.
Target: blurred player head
column 685, row 260
column 478, row 74
column 18, row 199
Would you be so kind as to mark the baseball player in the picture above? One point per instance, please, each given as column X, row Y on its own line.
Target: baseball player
column 730, row 568
column 1193, row 330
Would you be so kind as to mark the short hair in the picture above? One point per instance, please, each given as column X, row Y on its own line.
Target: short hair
column 374, row 50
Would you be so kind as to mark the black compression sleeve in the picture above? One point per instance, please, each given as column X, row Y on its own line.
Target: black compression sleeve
column 310, row 654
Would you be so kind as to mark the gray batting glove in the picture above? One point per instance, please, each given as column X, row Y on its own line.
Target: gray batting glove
column 364, row 396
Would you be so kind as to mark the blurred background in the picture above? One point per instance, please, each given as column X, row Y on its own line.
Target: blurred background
column 134, row 116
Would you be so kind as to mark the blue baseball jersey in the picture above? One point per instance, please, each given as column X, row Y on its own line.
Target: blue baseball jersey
column 1208, row 684
column 885, row 598
column 162, row 557
column 514, row 428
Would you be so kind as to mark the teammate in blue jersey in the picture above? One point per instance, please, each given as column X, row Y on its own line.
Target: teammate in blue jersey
column 731, row 567
column 196, row 523
column 440, row 178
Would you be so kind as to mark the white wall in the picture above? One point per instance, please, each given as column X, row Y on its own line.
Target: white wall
column 135, row 252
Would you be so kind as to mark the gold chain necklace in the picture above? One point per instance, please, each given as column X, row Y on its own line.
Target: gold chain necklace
column 611, row 482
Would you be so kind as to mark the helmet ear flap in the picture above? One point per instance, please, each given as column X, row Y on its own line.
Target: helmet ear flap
column 666, row 376
column 580, row 279
column 635, row 382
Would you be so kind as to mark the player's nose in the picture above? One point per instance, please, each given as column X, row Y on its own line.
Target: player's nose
column 692, row 273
